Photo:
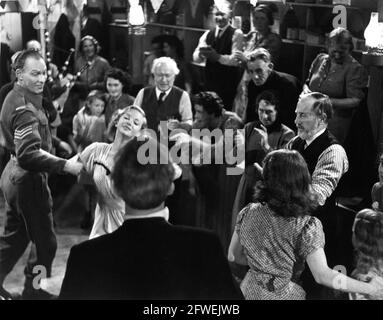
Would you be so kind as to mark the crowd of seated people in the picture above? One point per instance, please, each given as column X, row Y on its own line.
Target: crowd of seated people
column 245, row 204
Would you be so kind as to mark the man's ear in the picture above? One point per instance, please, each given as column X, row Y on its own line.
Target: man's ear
column 324, row 118
column 171, row 189
column 271, row 66
column 19, row 73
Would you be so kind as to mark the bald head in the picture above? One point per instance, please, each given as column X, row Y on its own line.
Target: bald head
column 33, row 45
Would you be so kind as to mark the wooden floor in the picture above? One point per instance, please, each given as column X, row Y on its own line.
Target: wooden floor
column 68, row 216
column 68, row 232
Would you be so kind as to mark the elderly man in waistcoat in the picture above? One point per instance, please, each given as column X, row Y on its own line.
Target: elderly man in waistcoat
column 164, row 101
column 326, row 160
column 217, row 48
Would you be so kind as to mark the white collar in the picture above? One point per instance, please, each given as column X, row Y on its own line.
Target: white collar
column 223, row 29
column 163, row 213
column 84, row 21
column 158, row 92
column 308, row 142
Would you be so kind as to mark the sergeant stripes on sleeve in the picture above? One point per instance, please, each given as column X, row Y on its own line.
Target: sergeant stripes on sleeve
column 22, row 133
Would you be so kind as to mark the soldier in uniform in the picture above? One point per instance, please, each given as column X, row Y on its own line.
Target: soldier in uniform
column 25, row 133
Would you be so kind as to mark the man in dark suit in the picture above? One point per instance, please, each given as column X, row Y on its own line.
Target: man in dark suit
column 217, row 49
column 148, row 258
column 92, row 27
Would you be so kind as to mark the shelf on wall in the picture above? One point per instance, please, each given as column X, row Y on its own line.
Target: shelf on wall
column 161, row 25
column 304, row 43
column 322, row 5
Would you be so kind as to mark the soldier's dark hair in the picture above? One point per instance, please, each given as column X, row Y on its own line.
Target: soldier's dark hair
column 23, row 56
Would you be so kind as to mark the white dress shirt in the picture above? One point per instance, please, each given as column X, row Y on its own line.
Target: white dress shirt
column 226, row 59
column 185, row 107
column 332, row 164
column 163, row 213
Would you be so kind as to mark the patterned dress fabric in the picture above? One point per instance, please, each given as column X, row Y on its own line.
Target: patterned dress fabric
column 110, row 207
column 276, row 248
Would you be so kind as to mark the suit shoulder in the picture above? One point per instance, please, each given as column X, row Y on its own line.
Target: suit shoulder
column 288, row 78
column 92, row 244
column 197, row 234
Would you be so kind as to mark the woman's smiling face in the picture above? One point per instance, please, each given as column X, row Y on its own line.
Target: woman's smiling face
column 130, row 123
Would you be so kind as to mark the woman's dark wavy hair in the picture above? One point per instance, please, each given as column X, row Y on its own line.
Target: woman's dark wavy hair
column 210, row 101
column 367, row 239
column 123, row 77
column 286, row 184
column 142, row 186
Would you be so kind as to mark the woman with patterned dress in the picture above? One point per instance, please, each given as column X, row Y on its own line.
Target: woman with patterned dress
column 98, row 160
column 276, row 236
column 342, row 78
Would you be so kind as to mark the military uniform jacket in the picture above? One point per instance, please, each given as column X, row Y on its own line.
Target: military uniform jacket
column 25, row 132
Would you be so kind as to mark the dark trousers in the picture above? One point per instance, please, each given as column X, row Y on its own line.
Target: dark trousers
column 28, row 206
column 329, row 218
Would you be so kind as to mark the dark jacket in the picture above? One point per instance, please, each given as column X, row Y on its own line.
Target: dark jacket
column 150, row 259
column 288, row 89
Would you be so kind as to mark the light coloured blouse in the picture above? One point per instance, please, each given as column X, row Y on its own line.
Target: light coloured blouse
column 110, row 209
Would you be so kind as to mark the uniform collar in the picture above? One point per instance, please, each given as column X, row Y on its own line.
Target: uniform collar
column 34, row 98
